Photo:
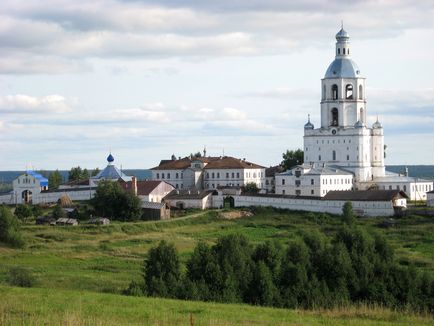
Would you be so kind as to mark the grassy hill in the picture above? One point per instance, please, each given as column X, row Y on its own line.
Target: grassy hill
column 102, row 260
column 62, row 307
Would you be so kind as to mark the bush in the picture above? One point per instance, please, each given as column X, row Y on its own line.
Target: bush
column 23, row 212
column 19, row 276
column 9, row 228
column 58, row 212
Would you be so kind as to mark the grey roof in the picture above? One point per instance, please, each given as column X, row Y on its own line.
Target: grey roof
column 377, row 125
column 111, row 172
column 394, row 177
column 342, row 68
column 359, row 124
column 365, row 195
column 152, row 205
column 186, row 194
column 317, row 170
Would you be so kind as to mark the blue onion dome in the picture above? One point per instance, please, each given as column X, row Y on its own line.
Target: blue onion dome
column 377, row 125
column 309, row 125
column 342, row 34
column 359, row 124
column 110, row 158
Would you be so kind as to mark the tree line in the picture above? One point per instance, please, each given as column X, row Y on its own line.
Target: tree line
column 311, row 271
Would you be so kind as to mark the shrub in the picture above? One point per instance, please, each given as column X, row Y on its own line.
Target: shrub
column 22, row 277
column 23, row 212
column 9, row 228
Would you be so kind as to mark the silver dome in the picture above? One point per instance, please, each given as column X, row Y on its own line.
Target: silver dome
column 377, row 125
column 342, row 34
column 359, row 124
column 342, row 68
column 309, row 125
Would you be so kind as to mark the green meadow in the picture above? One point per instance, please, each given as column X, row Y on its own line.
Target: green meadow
column 81, row 271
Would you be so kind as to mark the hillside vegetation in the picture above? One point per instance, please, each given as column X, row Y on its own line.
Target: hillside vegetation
column 106, row 258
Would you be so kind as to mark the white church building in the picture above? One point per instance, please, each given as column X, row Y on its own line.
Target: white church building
column 344, row 144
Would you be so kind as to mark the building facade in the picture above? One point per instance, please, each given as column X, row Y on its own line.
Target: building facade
column 207, row 173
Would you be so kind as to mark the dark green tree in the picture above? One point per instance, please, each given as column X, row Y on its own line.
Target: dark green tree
column 112, row 201
column 10, row 228
column 162, row 271
column 54, row 179
column 77, row 174
column 262, row 290
column 58, row 212
column 292, row 158
column 251, row 188
column 348, row 215
column 23, row 211
column 37, row 210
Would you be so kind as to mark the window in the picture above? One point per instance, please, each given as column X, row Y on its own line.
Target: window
column 162, row 175
column 168, row 175
column 212, row 175
column 319, row 157
column 335, row 92
column 227, row 175
column 348, row 157
column 283, row 191
column 390, row 187
column 362, row 118
column 207, row 175
column 312, row 181
column 349, row 92
column 334, row 156
column 233, row 175
column 312, row 192
column 182, row 175
column 182, row 185
column 177, row 175
column 297, row 173
column 324, row 92
column 360, row 92
column 344, row 50
column 297, row 183
column 238, row 175
column 218, row 175
column 339, row 50
column 283, row 182
column 158, row 176
column 298, row 192
column 335, row 117
column 176, row 186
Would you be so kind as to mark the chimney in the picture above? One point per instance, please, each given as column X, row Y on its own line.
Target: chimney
column 134, row 185
column 406, row 171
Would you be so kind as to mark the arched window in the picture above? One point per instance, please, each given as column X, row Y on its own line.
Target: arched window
column 335, row 92
column 334, row 155
column 339, row 51
column 335, row 117
column 324, row 92
column 344, row 50
column 360, row 92
column 349, row 92
column 362, row 118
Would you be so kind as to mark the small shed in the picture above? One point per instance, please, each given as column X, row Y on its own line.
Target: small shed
column 45, row 220
column 155, row 211
column 66, row 221
column 99, row 221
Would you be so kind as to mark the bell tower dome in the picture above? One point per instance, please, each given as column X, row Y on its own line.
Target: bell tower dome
column 343, row 101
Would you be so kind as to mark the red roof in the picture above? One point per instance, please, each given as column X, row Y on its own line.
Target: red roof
column 146, row 187
column 225, row 162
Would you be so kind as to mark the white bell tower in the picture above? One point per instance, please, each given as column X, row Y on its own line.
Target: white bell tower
column 343, row 140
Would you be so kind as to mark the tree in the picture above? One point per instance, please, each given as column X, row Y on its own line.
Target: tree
column 112, row 201
column 292, row 158
column 251, row 188
column 10, row 228
column 23, row 212
column 162, row 271
column 94, row 172
column 77, row 174
column 347, row 213
column 196, row 155
column 54, row 179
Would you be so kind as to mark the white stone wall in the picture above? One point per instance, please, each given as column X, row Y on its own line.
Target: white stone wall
column 203, row 203
column 430, row 199
column 7, row 199
column 214, row 178
column 362, row 208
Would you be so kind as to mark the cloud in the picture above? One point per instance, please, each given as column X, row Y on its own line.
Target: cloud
column 69, row 34
column 33, row 105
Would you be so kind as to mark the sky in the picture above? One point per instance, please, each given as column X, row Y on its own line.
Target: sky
column 148, row 79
